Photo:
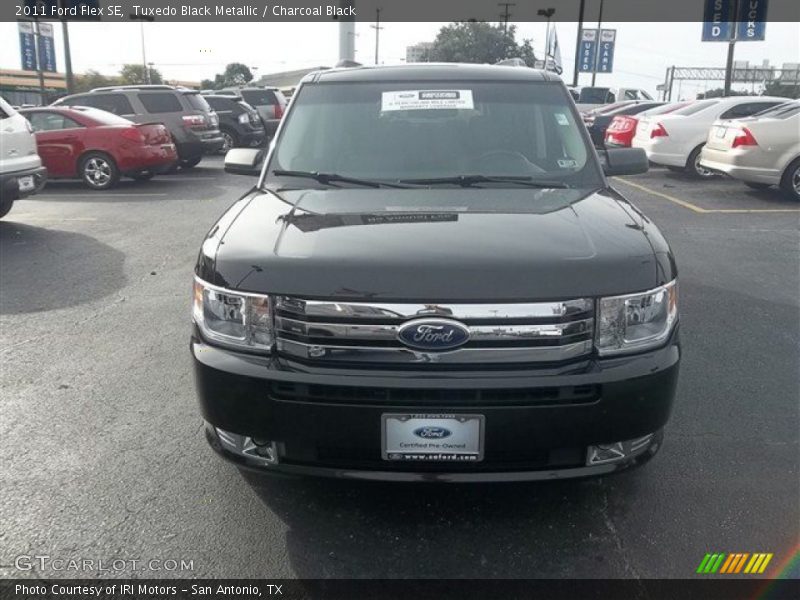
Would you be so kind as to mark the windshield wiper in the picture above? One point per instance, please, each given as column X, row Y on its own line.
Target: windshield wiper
column 327, row 178
column 470, row 180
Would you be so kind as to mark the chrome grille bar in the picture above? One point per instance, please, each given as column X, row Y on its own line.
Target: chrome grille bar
column 351, row 333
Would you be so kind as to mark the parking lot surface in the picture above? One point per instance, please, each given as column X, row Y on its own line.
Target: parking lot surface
column 104, row 455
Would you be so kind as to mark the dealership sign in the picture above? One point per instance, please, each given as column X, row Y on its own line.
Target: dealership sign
column 740, row 20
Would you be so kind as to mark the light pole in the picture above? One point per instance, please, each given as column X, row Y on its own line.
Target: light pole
column 578, row 43
column 547, row 13
column 142, row 19
column 597, row 56
column 377, row 27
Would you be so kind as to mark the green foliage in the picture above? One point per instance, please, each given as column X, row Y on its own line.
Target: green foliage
column 785, row 90
column 235, row 74
column 479, row 42
column 93, row 79
column 133, row 74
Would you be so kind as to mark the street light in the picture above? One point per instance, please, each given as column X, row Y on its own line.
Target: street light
column 142, row 19
column 547, row 13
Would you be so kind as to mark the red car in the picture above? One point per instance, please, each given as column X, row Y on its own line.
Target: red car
column 99, row 147
column 622, row 128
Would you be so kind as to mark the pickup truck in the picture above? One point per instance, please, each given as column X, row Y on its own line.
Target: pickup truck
column 591, row 97
column 433, row 280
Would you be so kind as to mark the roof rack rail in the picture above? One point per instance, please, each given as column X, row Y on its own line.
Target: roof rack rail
column 511, row 62
column 111, row 88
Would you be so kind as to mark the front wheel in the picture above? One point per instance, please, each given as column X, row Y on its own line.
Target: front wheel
column 694, row 168
column 790, row 182
column 188, row 163
column 142, row 175
column 99, row 171
column 5, row 207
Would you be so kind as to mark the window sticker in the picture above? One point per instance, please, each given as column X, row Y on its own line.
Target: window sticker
column 567, row 163
column 561, row 119
column 427, row 100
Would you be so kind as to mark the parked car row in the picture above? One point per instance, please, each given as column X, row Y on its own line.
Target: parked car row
column 752, row 138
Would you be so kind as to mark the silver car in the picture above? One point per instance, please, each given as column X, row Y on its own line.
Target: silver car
column 761, row 150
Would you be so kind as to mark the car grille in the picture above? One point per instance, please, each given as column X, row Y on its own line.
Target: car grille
column 365, row 334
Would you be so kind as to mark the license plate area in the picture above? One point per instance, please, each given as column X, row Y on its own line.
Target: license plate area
column 437, row 437
column 26, row 183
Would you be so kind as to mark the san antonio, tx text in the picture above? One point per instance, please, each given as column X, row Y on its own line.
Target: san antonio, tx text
column 116, row 590
column 267, row 10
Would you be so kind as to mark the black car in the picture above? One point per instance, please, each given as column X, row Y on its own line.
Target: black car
column 433, row 280
column 598, row 121
column 268, row 101
column 239, row 122
column 191, row 121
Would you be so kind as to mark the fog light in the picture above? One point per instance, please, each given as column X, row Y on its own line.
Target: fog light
column 259, row 450
column 617, row 451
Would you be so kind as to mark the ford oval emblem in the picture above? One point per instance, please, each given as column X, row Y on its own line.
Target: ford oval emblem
column 432, row 433
column 433, row 335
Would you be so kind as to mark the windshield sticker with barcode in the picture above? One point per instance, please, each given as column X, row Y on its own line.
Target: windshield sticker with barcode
column 427, row 100
column 567, row 163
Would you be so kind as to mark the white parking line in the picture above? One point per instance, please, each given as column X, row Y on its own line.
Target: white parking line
column 94, row 195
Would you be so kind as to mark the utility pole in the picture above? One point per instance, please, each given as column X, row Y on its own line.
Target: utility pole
column 578, row 43
column 597, row 54
column 506, row 14
column 142, row 19
column 547, row 13
column 377, row 27
column 731, row 46
column 67, row 58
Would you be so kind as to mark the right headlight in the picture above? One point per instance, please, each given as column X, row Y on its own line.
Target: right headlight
column 234, row 319
column 636, row 322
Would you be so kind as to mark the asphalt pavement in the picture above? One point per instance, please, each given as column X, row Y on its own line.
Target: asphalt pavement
column 103, row 455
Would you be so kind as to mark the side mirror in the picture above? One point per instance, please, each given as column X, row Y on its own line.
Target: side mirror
column 244, row 161
column 624, row 161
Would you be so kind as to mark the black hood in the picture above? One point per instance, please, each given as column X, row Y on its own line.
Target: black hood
column 472, row 244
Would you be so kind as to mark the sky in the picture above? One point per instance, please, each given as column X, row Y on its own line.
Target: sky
column 195, row 51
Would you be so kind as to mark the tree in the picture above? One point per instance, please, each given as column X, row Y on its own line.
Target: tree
column 93, row 79
column 207, row 84
column 783, row 89
column 479, row 42
column 235, row 74
column 134, row 74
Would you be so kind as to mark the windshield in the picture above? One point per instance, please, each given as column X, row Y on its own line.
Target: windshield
column 593, row 95
column 259, row 97
column 695, row 107
column 410, row 130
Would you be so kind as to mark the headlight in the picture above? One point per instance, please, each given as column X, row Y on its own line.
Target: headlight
column 235, row 319
column 636, row 322
column 244, row 118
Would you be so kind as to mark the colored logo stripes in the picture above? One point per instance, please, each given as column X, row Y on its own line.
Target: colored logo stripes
column 741, row 562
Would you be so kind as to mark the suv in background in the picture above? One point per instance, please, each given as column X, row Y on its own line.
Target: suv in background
column 239, row 122
column 268, row 101
column 21, row 170
column 191, row 121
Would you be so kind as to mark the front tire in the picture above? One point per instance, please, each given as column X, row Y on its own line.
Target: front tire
column 693, row 168
column 142, row 175
column 790, row 182
column 5, row 207
column 98, row 171
column 756, row 186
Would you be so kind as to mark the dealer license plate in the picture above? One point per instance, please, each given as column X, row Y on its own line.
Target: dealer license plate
column 26, row 183
column 432, row 437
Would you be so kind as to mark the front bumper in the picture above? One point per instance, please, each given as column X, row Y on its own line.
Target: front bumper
column 328, row 423
column 9, row 183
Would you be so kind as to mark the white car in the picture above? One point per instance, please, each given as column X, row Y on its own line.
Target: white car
column 761, row 151
column 21, row 170
column 675, row 140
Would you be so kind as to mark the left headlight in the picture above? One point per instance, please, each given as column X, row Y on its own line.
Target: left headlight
column 636, row 322
column 235, row 319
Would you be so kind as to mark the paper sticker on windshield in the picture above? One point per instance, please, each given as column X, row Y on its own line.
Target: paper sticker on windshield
column 427, row 100
column 561, row 119
column 567, row 163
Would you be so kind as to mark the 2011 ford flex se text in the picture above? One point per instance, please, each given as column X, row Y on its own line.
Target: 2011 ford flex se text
column 433, row 281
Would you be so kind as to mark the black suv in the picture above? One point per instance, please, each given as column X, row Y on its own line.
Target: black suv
column 268, row 101
column 433, row 280
column 239, row 122
column 191, row 121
